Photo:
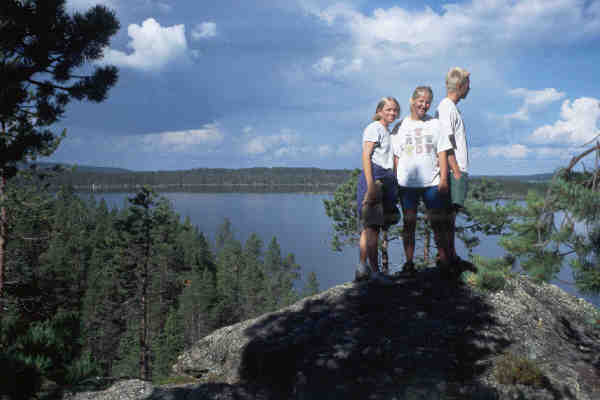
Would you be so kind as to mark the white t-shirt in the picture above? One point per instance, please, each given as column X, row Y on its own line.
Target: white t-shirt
column 452, row 125
column 382, row 153
column 417, row 144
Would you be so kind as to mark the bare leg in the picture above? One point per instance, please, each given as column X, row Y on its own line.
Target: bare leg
column 368, row 247
column 408, row 233
column 452, row 234
column 440, row 222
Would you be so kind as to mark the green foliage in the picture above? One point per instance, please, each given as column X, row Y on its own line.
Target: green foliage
column 482, row 218
column 342, row 209
column 74, row 306
column 562, row 225
column 127, row 362
column 511, row 369
column 167, row 345
column 312, row 285
column 491, row 274
column 41, row 49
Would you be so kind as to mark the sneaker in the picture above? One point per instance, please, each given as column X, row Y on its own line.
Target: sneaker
column 380, row 278
column 409, row 268
column 363, row 272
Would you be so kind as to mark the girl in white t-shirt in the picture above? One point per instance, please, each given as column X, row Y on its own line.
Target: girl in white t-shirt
column 377, row 187
column 421, row 168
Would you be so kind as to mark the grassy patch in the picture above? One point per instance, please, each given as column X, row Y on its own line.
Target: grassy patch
column 511, row 369
column 175, row 380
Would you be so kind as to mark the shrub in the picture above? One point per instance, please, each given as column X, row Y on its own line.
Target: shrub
column 491, row 275
column 512, row 369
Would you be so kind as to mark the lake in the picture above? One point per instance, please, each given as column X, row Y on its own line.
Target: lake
column 299, row 223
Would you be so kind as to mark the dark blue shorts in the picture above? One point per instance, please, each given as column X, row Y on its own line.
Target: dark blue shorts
column 433, row 199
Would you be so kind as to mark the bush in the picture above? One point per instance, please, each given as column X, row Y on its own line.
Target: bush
column 492, row 273
column 511, row 369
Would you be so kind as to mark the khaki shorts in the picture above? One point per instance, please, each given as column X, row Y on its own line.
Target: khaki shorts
column 459, row 189
column 374, row 214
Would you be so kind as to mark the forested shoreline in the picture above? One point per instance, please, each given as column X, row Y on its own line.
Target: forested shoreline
column 255, row 180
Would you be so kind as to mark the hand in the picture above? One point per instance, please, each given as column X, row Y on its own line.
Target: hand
column 443, row 186
column 456, row 174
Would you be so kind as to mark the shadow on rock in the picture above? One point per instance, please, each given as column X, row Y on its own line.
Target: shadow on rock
column 423, row 337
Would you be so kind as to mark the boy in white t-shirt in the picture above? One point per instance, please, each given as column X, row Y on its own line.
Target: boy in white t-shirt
column 422, row 172
column 452, row 125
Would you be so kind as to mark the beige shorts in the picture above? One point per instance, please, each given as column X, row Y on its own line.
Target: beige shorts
column 374, row 214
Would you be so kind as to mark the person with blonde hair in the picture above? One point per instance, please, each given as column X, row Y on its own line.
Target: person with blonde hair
column 458, row 84
column 376, row 193
column 421, row 170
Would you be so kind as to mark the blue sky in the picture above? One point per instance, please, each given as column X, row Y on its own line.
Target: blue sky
column 293, row 83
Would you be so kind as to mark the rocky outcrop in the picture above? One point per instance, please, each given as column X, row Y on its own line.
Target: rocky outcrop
column 421, row 338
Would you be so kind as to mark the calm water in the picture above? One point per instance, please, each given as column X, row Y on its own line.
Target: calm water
column 299, row 223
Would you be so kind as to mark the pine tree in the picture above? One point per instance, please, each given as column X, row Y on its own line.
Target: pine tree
column 253, row 278
column 41, row 49
column 564, row 222
column 230, row 263
column 312, row 285
column 167, row 345
column 197, row 305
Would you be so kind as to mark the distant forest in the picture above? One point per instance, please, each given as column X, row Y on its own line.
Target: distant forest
column 107, row 179
column 247, row 179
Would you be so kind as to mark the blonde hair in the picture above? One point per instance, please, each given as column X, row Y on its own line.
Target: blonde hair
column 420, row 91
column 455, row 78
column 382, row 103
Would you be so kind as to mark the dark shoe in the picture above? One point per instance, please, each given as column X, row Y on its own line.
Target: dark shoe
column 448, row 271
column 464, row 265
column 363, row 272
column 380, row 278
column 409, row 268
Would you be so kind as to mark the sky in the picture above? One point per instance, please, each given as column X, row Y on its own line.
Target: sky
column 293, row 83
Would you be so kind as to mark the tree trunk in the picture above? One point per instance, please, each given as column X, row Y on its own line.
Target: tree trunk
column 2, row 234
column 144, row 350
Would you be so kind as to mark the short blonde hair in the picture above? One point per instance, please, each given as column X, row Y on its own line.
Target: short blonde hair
column 455, row 78
column 420, row 91
column 382, row 103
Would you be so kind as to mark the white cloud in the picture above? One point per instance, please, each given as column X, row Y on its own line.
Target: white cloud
column 578, row 123
column 153, row 46
column 509, row 151
column 204, row 30
column 268, row 144
column 324, row 65
column 329, row 65
column 183, row 141
column 533, row 100
column 286, row 144
column 405, row 35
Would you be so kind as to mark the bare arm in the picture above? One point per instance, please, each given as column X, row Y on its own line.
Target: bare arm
column 453, row 165
column 367, row 151
column 443, row 159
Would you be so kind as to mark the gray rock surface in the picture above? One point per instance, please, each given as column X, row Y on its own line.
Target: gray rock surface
column 421, row 338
